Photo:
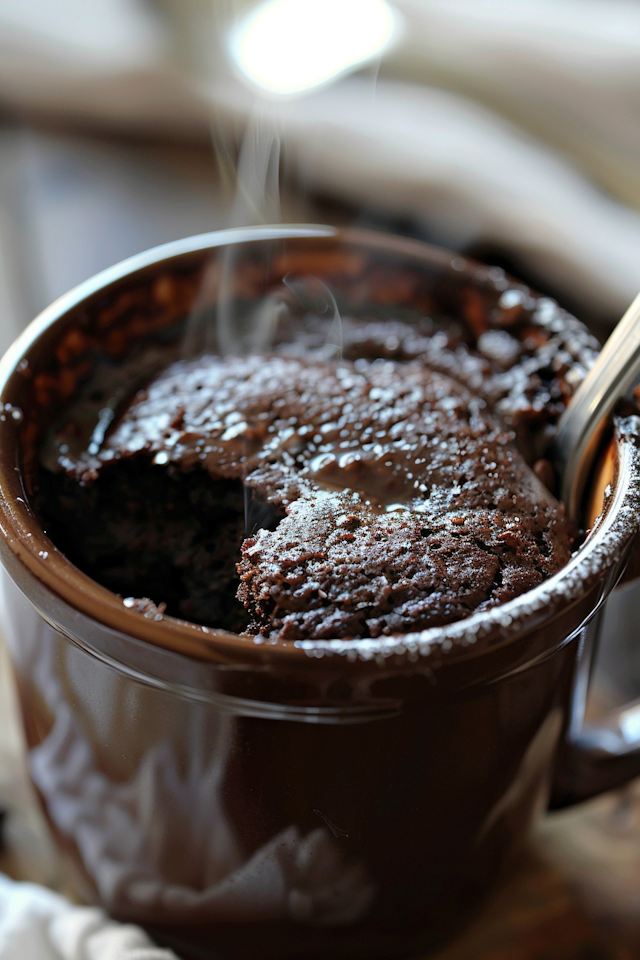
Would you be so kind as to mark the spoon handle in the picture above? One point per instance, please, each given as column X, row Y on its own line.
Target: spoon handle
column 580, row 426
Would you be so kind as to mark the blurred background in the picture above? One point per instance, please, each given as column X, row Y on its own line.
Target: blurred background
column 510, row 130
column 505, row 129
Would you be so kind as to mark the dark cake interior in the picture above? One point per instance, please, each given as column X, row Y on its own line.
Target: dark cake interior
column 298, row 494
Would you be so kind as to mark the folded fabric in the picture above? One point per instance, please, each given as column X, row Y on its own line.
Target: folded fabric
column 566, row 70
column 461, row 170
column 37, row 924
column 107, row 63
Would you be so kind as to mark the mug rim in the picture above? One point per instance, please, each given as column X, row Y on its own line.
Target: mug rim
column 22, row 533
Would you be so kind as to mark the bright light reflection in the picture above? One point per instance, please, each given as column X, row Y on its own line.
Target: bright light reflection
column 289, row 46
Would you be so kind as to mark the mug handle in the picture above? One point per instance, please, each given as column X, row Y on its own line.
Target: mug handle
column 595, row 757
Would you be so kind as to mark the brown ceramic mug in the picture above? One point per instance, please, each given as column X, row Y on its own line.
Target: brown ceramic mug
column 290, row 800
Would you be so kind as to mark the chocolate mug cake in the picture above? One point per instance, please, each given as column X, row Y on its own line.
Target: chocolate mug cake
column 351, row 498
column 369, row 673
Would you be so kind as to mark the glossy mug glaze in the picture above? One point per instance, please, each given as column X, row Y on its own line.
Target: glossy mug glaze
column 289, row 800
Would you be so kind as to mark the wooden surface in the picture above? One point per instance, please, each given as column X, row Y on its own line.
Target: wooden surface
column 70, row 206
column 575, row 895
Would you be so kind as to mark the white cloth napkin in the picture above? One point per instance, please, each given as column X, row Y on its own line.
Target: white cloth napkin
column 463, row 171
column 566, row 70
column 37, row 924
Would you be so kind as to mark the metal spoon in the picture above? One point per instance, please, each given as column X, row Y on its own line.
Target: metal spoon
column 580, row 426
